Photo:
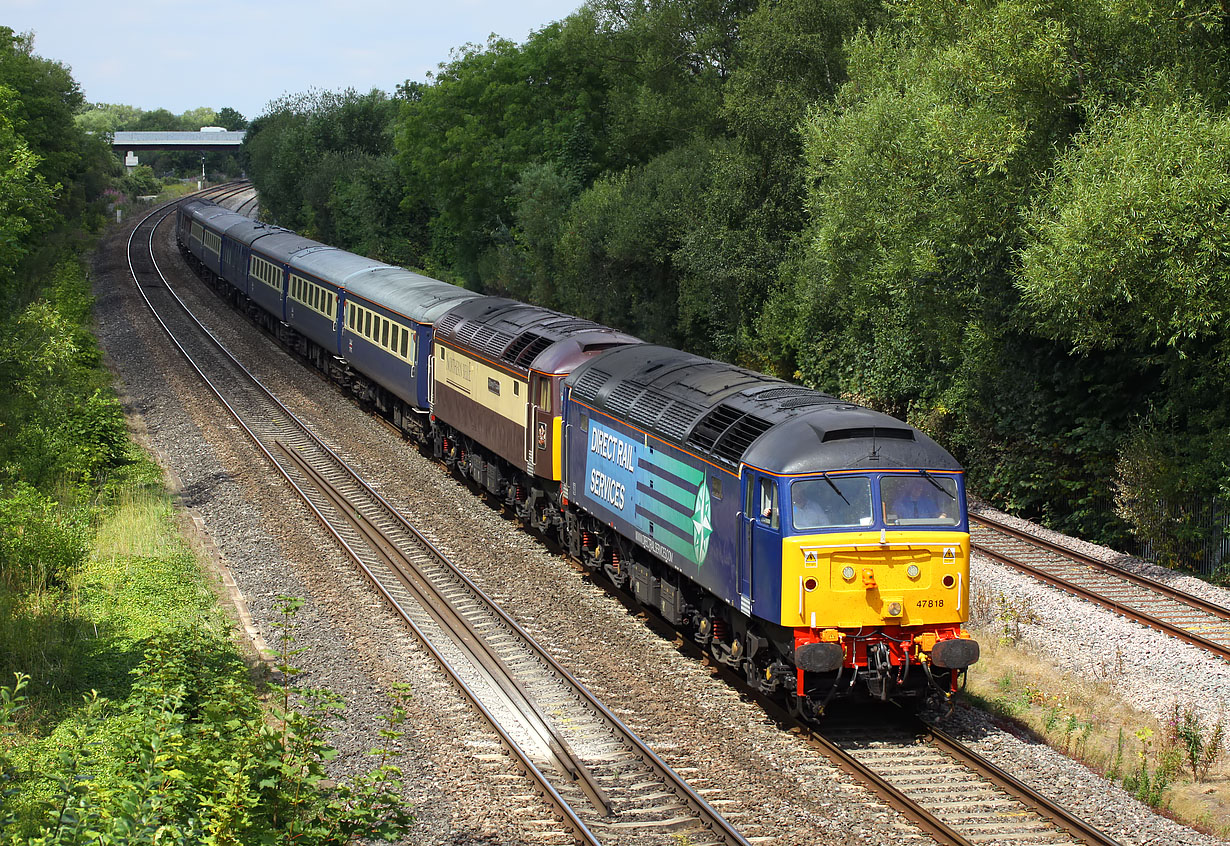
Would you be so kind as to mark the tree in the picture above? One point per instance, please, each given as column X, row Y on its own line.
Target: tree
column 25, row 197
column 231, row 119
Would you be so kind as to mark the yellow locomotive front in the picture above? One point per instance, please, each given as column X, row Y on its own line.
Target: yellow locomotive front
column 875, row 582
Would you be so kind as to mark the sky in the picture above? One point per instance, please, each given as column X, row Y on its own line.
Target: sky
column 178, row 56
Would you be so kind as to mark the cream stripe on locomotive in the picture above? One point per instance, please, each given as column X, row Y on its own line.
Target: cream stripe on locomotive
column 495, row 389
column 267, row 272
column 379, row 330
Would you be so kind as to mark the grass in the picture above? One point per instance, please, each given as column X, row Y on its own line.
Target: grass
column 140, row 581
column 1084, row 716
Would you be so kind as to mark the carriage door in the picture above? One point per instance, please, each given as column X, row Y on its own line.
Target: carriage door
column 761, row 532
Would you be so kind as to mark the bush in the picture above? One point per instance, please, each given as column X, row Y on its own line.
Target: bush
column 41, row 543
column 189, row 758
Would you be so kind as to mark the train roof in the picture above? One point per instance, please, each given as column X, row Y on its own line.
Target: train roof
column 527, row 336
column 418, row 297
column 281, row 245
column 216, row 217
column 733, row 415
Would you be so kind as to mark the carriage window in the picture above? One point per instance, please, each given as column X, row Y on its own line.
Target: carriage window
column 367, row 323
column 384, row 332
column 405, row 339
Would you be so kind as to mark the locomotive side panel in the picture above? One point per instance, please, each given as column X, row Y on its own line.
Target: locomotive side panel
column 673, row 505
column 482, row 401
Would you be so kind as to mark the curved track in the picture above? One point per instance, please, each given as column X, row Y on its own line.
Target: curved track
column 603, row 784
column 1137, row 597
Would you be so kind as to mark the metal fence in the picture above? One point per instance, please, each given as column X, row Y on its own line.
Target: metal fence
column 1212, row 521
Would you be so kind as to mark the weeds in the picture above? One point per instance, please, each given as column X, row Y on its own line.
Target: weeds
column 1014, row 614
column 1199, row 747
column 189, row 757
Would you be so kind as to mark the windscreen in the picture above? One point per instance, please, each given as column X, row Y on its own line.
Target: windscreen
column 920, row 500
column 831, row 502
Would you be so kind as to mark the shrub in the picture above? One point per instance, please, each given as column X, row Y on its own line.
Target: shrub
column 41, row 543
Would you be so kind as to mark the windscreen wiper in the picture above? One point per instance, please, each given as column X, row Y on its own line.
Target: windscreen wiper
column 837, row 489
column 938, row 486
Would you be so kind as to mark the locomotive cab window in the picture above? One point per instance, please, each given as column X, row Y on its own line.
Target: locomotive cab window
column 920, row 500
column 831, row 502
column 715, row 486
column 544, row 395
column 766, row 503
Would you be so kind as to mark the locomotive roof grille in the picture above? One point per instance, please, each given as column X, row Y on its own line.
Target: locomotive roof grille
column 588, row 385
column 804, row 402
column 623, row 397
column 485, row 339
column 528, row 352
column 739, row 437
column 868, row 432
column 676, row 418
column 788, row 392
column 519, row 345
column 650, row 408
column 572, row 324
column 711, row 428
column 727, row 432
column 449, row 323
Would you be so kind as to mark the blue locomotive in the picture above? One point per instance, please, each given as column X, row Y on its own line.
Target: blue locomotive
column 816, row 546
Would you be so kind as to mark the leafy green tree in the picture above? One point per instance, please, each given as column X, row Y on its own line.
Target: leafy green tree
column 231, row 119
column 25, row 197
column 76, row 167
column 1129, row 255
column 490, row 113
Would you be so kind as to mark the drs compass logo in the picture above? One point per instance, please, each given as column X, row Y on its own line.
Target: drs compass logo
column 702, row 524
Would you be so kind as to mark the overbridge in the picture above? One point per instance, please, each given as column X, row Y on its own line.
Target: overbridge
column 202, row 141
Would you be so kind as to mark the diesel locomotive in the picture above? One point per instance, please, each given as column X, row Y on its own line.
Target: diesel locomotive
column 816, row 546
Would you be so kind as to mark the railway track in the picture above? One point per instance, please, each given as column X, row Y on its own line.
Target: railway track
column 602, row 783
column 952, row 793
column 1136, row 597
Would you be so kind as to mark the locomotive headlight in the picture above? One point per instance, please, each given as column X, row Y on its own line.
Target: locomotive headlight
column 847, row 573
column 912, row 571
